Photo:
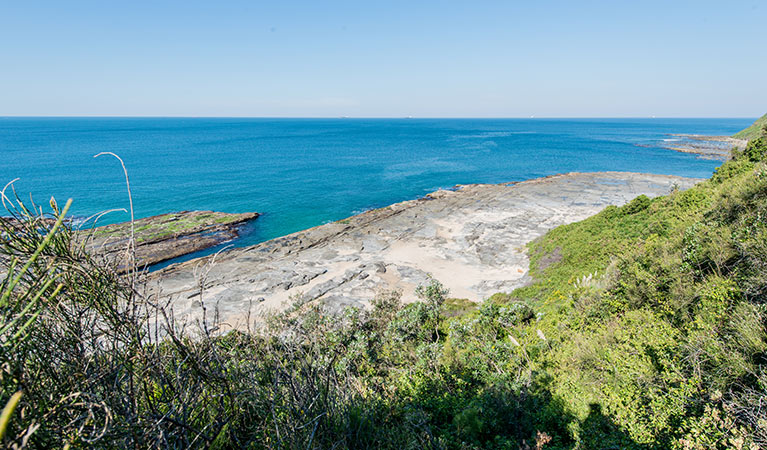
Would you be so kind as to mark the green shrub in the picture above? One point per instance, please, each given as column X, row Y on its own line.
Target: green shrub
column 756, row 150
column 638, row 204
column 732, row 169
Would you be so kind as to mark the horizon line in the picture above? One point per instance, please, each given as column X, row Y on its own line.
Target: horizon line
column 534, row 117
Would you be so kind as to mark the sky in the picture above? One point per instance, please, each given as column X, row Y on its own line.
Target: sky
column 541, row 58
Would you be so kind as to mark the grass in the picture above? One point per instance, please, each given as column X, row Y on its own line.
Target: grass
column 753, row 131
column 165, row 226
column 587, row 247
column 454, row 307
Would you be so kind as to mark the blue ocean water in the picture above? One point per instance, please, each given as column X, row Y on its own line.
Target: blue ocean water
column 304, row 172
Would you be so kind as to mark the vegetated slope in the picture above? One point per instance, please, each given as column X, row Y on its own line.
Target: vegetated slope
column 655, row 312
column 644, row 328
column 754, row 131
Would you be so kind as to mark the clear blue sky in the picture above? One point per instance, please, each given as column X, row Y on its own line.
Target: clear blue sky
column 388, row 58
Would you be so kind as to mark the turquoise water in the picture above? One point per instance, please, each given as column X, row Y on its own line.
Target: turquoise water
column 304, row 172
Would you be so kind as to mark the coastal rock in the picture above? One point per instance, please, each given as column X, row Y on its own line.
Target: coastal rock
column 706, row 147
column 472, row 239
column 166, row 236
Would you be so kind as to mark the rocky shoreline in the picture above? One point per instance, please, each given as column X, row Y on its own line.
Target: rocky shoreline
column 707, row 147
column 165, row 236
column 472, row 239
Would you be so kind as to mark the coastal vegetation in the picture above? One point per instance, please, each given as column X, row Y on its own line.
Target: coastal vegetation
column 754, row 131
column 645, row 327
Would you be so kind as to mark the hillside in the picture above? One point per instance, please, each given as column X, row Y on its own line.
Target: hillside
column 754, row 131
column 643, row 328
column 655, row 313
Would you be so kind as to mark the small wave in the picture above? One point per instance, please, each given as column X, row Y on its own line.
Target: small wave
column 488, row 135
column 441, row 188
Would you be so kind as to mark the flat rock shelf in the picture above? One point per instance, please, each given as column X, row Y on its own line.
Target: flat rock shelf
column 166, row 236
column 472, row 239
column 707, row 147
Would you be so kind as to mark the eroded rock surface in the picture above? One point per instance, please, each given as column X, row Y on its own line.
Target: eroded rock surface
column 166, row 236
column 471, row 239
column 706, row 147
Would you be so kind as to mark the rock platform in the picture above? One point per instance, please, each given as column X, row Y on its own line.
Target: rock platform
column 165, row 236
column 472, row 239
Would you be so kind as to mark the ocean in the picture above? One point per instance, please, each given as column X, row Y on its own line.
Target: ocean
column 304, row 172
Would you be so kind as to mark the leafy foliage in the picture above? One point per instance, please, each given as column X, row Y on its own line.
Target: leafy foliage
column 644, row 328
column 668, row 338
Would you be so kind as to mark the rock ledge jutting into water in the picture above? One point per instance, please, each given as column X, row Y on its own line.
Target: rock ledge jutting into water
column 706, row 147
column 167, row 236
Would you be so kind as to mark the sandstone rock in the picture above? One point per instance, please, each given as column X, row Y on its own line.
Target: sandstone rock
column 166, row 236
column 471, row 239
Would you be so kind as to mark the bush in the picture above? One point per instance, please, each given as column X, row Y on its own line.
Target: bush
column 638, row 204
column 645, row 327
column 756, row 150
